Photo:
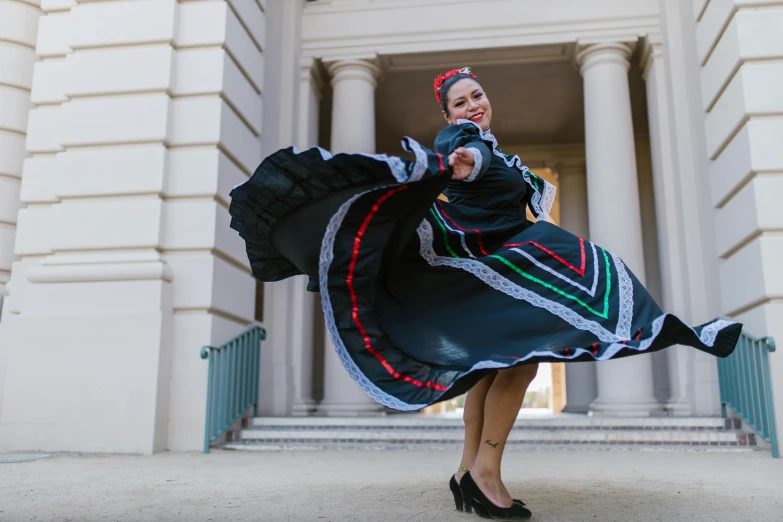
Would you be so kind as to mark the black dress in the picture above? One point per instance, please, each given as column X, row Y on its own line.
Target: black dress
column 421, row 297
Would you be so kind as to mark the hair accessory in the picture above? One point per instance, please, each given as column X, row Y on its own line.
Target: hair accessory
column 443, row 77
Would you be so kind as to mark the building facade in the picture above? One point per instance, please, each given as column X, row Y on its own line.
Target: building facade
column 124, row 124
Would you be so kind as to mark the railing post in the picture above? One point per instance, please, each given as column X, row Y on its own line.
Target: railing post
column 232, row 382
column 206, row 353
column 745, row 387
column 773, row 429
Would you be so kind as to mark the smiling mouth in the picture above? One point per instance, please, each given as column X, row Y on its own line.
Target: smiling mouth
column 477, row 117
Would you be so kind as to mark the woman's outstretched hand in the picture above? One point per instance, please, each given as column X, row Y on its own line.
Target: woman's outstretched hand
column 461, row 161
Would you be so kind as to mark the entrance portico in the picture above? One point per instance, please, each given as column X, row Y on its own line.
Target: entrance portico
column 571, row 108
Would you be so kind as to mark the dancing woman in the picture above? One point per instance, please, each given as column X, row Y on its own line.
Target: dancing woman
column 426, row 300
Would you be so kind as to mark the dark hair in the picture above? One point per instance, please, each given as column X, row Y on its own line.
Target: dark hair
column 446, row 87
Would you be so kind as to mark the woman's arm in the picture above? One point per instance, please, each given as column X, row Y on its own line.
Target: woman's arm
column 463, row 163
column 468, row 155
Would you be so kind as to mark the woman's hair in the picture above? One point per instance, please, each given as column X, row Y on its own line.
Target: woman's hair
column 447, row 85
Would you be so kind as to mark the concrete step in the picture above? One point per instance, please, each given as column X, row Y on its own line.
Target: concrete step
column 392, row 422
column 400, row 431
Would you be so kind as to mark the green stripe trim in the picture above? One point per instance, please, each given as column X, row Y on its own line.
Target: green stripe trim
column 608, row 281
column 603, row 315
column 445, row 234
column 524, row 274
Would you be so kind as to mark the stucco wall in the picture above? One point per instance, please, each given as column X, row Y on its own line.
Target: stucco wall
column 740, row 53
column 148, row 112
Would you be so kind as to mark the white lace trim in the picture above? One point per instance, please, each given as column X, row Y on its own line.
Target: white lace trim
column 325, row 261
column 626, row 299
column 420, row 167
column 710, row 332
column 478, row 159
column 540, row 201
column 396, row 165
column 460, row 232
column 590, row 292
column 325, row 154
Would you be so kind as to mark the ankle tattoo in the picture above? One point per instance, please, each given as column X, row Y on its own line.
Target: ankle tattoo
column 464, row 469
column 493, row 444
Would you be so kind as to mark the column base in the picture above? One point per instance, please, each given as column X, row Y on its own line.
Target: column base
column 304, row 408
column 579, row 408
column 643, row 408
column 359, row 409
column 679, row 407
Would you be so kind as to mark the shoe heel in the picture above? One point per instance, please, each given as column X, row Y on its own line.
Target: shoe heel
column 467, row 502
column 457, row 501
column 457, row 492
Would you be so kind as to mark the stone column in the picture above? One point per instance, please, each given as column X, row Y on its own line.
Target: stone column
column 625, row 386
column 353, row 130
column 581, row 386
column 668, row 215
column 353, row 105
column 310, row 91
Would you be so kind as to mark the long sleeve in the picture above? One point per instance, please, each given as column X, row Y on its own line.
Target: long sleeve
column 465, row 135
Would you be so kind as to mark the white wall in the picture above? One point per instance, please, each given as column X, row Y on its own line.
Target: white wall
column 741, row 57
column 148, row 113
column 18, row 29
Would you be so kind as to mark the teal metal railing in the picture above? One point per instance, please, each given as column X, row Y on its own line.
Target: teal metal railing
column 232, row 382
column 745, row 386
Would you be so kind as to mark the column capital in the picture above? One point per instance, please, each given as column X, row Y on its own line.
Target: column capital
column 652, row 50
column 612, row 52
column 310, row 70
column 367, row 70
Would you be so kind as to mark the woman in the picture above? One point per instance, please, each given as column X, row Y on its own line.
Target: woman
column 425, row 300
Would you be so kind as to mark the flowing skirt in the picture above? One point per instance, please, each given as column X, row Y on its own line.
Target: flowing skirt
column 423, row 298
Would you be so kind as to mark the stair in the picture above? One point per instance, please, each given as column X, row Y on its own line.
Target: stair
column 433, row 432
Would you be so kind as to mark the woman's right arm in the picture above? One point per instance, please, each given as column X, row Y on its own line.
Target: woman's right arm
column 465, row 136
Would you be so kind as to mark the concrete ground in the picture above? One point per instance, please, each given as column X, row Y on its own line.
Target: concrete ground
column 333, row 485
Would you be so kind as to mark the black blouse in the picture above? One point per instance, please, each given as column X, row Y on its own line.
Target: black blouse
column 499, row 182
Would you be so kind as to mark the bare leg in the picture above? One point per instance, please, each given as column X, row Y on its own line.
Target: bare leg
column 504, row 400
column 473, row 416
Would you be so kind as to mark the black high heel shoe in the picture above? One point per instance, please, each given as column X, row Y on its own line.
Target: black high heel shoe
column 457, row 492
column 473, row 497
column 454, row 487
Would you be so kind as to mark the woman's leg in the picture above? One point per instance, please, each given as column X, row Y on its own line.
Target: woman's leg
column 473, row 417
column 504, row 400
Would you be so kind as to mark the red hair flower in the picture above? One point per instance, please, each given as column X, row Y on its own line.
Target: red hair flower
column 443, row 77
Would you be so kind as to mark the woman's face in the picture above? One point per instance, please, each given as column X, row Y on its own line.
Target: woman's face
column 468, row 101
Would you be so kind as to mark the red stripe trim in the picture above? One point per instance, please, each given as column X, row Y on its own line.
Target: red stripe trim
column 355, row 303
column 440, row 163
column 478, row 232
column 580, row 271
